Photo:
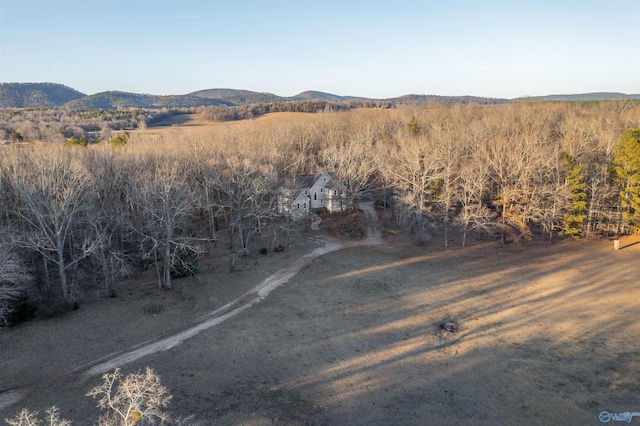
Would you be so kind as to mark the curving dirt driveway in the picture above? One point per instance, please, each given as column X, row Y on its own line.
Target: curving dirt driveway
column 13, row 396
column 216, row 317
column 9, row 397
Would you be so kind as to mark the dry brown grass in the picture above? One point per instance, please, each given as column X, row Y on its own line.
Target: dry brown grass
column 243, row 134
column 547, row 331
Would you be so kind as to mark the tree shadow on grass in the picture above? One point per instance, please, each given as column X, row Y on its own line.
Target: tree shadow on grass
column 547, row 335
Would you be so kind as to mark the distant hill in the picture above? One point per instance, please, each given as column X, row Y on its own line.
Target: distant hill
column 238, row 97
column 124, row 100
column 596, row 96
column 422, row 99
column 187, row 101
column 112, row 100
column 36, row 95
column 313, row 95
column 51, row 95
column 244, row 97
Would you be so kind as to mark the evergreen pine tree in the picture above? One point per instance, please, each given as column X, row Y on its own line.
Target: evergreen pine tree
column 626, row 167
column 576, row 214
column 413, row 126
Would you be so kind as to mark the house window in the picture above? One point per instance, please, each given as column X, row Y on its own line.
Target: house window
column 315, row 196
column 335, row 192
column 298, row 206
column 321, row 189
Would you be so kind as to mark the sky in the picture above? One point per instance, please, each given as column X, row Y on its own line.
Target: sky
column 369, row 48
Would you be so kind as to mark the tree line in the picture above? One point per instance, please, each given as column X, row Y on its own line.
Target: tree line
column 75, row 216
column 54, row 125
column 245, row 112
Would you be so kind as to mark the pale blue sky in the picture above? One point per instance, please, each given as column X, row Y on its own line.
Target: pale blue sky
column 374, row 48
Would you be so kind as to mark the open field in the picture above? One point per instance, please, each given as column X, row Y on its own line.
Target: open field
column 195, row 124
column 195, row 120
column 548, row 334
column 184, row 130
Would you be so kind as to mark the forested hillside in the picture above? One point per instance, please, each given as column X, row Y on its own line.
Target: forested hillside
column 238, row 97
column 36, row 95
column 75, row 218
column 312, row 94
column 449, row 100
column 124, row 100
column 49, row 95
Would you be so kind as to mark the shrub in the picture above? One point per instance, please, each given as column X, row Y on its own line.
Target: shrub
column 8, row 297
column 13, row 296
column 185, row 262
column 73, row 141
column 350, row 225
column 153, row 308
column 187, row 294
column 119, row 140
column 20, row 307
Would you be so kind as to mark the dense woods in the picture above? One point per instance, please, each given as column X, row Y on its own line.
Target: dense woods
column 75, row 217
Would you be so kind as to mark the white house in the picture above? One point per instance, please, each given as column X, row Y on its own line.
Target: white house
column 310, row 192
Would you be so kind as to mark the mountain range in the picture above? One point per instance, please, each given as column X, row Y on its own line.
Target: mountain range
column 52, row 95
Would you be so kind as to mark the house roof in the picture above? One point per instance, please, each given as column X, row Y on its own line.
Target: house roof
column 305, row 181
column 297, row 193
column 335, row 185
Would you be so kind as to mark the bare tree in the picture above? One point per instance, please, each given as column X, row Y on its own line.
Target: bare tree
column 30, row 418
column 246, row 192
column 110, row 180
column 137, row 399
column 472, row 186
column 24, row 418
column 449, row 145
column 413, row 171
column 164, row 200
column 202, row 176
column 351, row 166
column 52, row 193
column 511, row 171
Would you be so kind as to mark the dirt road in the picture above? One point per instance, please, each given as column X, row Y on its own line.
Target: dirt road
column 162, row 343
column 374, row 236
column 9, row 397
